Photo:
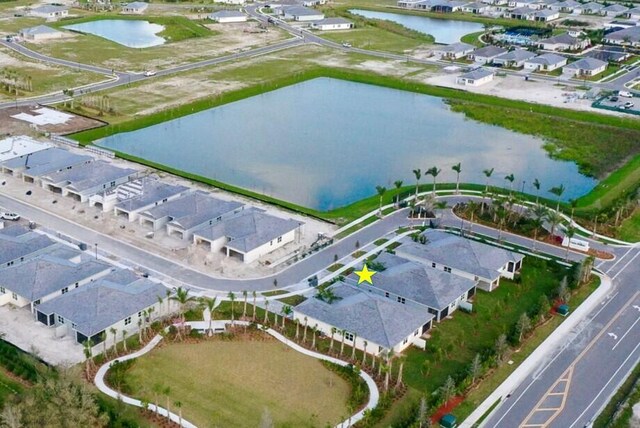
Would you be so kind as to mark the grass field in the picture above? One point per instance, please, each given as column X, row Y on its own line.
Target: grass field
column 630, row 229
column 230, row 383
column 8, row 388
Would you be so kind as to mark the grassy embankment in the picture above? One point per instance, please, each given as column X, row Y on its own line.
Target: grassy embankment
column 245, row 377
column 619, row 411
column 589, row 136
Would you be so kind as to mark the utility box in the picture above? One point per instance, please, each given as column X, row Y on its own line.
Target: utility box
column 448, row 421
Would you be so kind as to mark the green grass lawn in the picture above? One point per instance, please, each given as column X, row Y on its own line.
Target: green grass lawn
column 630, row 229
column 472, row 39
column 8, row 388
column 230, row 383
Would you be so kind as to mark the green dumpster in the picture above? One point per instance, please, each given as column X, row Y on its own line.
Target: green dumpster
column 448, row 421
column 563, row 310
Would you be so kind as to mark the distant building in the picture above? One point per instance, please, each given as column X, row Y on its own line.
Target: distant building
column 40, row 32
column 633, row 13
column 608, row 54
column 332, row 24
column 227, row 16
column 301, row 13
column 477, row 8
column 615, row 9
column 142, row 195
column 586, row 67
column 486, row 54
column 564, row 42
column 32, row 166
column 476, row 77
column 591, row 8
column 50, row 12
column 17, row 244
column 454, row 50
column 628, row 36
column 514, row 58
column 545, row 62
column 135, row 8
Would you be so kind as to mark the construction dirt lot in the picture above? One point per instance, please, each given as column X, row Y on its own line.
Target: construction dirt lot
column 182, row 252
column 10, row 125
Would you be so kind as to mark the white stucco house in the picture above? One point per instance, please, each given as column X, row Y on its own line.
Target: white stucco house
column 134, row 8
column 586, row 67
column 486, row 54
column 514, row 58
column 40, row 32
column 328, row 24
column 454, row 51
column 50, row 12
column 476, row 77
column 227, row 16
column 545, row 62
column 143, row 195
column 301, row 13
column 564, row 42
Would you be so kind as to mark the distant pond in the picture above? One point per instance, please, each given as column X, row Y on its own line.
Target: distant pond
column 445, row 31
column 132, row 33
column 325, row 143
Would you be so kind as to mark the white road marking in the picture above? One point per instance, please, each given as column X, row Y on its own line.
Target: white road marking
column 615, row 336
column 625, row 333
column 625, row 266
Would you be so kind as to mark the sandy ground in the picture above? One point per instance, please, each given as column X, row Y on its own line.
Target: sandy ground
column 184, row 252
column 14, row 126
column 514, row 87
column 20, row 328
column 635, row 419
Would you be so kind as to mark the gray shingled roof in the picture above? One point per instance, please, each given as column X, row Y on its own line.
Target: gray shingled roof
column 489, row 51
column 547, row 59
column 585, row 64
column 46, row 161
column 46, row 274
column 332, row 21
column 152, row 191
column 633, row 33
column 39, row 29
column 563, row 38
column 48, row 8
column 87, row 176
column 516, row 55
column 300, row 11
column 420, row 283
column 590, row 6
column 137, row 5
column 456, row 48
column 616, row 8
column 100, row 304
column 373, row 318
column 226, row 14
column 193, row 209
column 17, row 242
column 478, row 73
column 249, row 229
column 459, row 253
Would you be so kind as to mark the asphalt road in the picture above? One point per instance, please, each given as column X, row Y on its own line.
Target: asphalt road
column 570, row 388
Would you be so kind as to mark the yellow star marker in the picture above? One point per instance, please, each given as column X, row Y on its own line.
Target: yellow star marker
column 365, row 275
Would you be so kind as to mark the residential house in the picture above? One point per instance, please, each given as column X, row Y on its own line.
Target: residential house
column 564, row 42
column 120, row 301
column 50, row 12
column 446, row 6
column 227, row 16
column 633, row 13
column 410, row 282
column 607, row 54
column 454, row 51
column 39, row 33
column 464, row 257
column 628, row 36
column 250, row 234
column 586, row 67
column 409, row 4
column 134, row 8
column 566, row 6
column 301, row 13
column 514, row 58
column 545, row 62
column 147, row 194
column 233, row 2
column 332, row 24
column 17, row 244
column 476, row 7
column 614, row 9
column 47, row 276
column 546, row 15
column 44, row 162
column 368, row 321
column 532, row 4
column 486, row 54
column 525, row 13
column 591, row 8
column 184, row 215
column 476, row 77
column 87, row 179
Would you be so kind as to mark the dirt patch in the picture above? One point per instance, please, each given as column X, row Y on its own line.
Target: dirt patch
column 14, row 126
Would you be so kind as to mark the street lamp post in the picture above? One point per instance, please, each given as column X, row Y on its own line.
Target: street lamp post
column 96, row 251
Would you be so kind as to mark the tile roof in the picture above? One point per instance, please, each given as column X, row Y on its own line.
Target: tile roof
column 46, row 161
column 17, row 242
column 152, row 191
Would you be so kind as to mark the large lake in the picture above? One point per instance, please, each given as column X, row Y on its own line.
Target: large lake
column 445, row 31
column 325, row 143
column 132, row 33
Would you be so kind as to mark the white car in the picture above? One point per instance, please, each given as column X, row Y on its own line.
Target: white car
column 346, row 44
column 149, row 73
column 10, row 216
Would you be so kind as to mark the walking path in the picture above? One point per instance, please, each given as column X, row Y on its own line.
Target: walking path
column 374, row 394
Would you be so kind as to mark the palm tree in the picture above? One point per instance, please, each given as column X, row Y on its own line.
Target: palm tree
column 178, row 404
column 353, row 348
column 314, row 329
column 398, row 185
column 510, row 178
column 245, row 294
column 113, row 331
column 266, row 312
column 209, row 305
column 471, row 207
column 286, row 311
column 458, row 169
column 333, row 332
column 297, row 322
column 343, row 333
column 554, row 219
column 254, row 295
column 88, row 355
column 502, row 214
column 183, row 298
column 160, row 301
column 168, row 295
column 140, row 338
column 488, row 173
column 381, row 191
column 167, row 391
column 536, row 184
column 304, row 334
column 103, row 338
column 124, row 340
column 364, row 352
column 569, row 233
column 538, row 214
column 433, row 171
column 418, row 174
column 400, row 371
column 558, row 191
column 232, row 298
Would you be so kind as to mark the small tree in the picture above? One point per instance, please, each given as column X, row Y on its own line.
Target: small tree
column 458, row 169
column 543, row 306
column 500, row 347
column 448, row 390
column 475, row 369
column 563, row 292
column 381, row 191
column 523, row 326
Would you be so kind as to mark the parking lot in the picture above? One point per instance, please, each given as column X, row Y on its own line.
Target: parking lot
column 621, row 103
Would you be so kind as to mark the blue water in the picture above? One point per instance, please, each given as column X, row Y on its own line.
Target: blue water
column 132, row 33
column 325, row 143
column 445, row 31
